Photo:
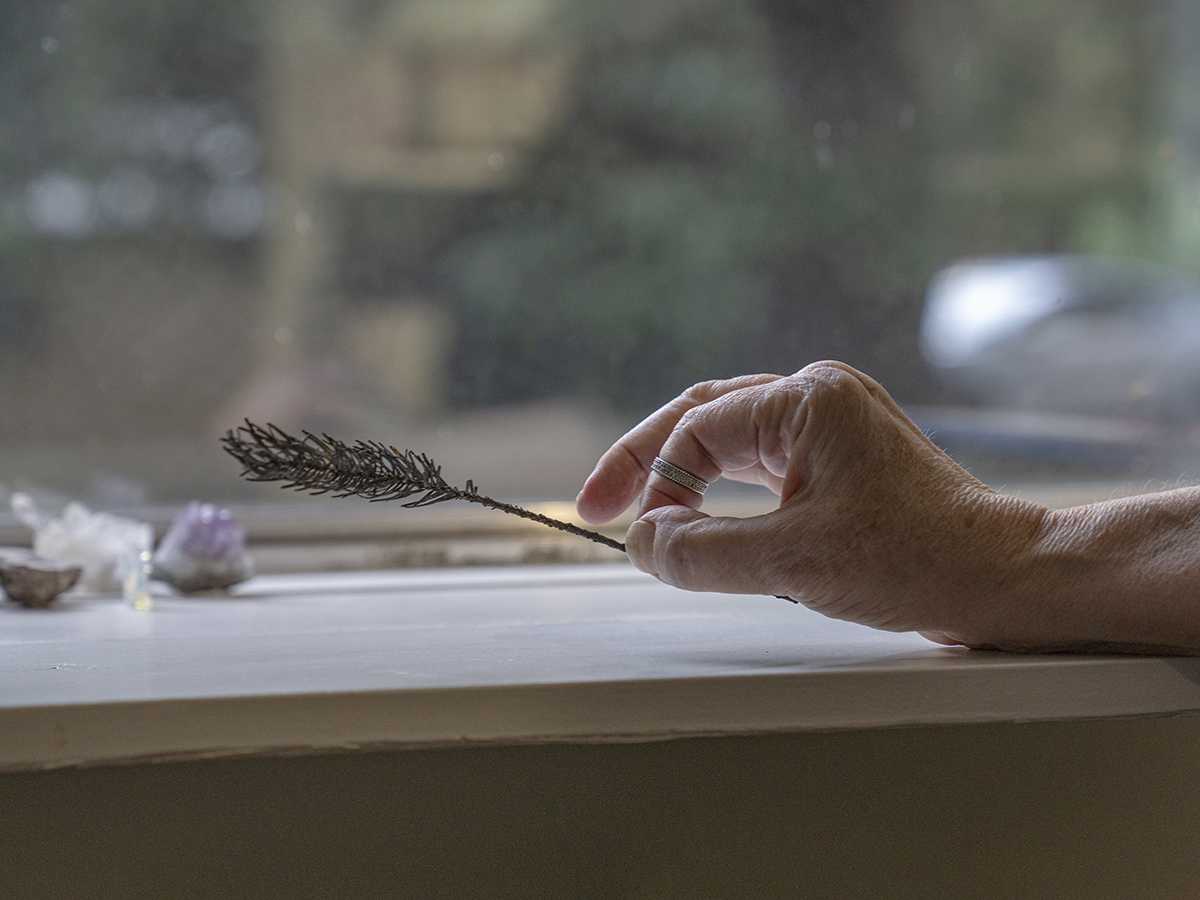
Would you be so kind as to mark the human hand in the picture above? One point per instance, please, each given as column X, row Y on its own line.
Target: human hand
column 875, row 523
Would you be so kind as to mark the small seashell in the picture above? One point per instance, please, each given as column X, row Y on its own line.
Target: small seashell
column 204, row 550
column 32, row 580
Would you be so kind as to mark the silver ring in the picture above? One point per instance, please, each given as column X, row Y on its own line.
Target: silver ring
column 681, row 477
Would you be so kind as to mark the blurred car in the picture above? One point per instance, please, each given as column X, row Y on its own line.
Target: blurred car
column 1066, row 359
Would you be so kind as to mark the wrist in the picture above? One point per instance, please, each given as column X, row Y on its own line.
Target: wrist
column 1104, row 577
column 999, row 594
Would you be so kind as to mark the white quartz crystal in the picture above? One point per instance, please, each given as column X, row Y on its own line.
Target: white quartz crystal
column 96, row 542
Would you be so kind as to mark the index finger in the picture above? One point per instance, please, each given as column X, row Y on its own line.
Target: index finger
column 622, row 471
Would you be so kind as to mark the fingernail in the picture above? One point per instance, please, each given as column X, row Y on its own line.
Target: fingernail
column 639, row 544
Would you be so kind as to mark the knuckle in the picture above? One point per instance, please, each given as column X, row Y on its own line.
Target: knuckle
column 679, row 561
column 626, row 461
column 702, row 391
column 775, row 398
column 760, row 378
column 690, row 419
column 833, row 382
column 831, row 400
column 827, row 367
column 707, row 391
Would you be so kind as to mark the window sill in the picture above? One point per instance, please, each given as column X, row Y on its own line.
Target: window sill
column 321, row 663
column 302, row 534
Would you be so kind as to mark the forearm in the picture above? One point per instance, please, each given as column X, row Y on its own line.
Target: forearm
column 1122, row 575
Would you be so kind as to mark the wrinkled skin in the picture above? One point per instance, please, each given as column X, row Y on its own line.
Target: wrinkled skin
column 875, row 524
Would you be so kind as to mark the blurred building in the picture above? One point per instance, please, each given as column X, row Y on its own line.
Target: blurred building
column 370, row 215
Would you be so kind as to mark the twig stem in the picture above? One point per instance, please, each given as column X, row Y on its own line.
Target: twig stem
column 514, row 510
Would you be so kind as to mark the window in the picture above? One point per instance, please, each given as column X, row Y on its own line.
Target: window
column 501, row 230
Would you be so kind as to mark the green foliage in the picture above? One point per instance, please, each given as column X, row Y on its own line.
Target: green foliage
column 699, row 214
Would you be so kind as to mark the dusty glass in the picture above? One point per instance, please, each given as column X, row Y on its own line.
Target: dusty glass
column 500, row 231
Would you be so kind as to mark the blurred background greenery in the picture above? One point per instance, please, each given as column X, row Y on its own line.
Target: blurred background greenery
column 501, row 230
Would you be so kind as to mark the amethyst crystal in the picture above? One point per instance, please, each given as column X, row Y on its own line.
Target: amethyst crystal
column 204, row 550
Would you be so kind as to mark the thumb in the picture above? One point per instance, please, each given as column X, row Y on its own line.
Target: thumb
column 688, row 549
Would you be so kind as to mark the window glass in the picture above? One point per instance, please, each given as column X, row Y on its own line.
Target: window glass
column 500, row 231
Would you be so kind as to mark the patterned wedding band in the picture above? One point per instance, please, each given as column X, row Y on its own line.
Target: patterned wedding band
column 682, row 477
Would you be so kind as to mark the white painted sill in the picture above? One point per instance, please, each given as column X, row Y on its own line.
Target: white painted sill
column 303, row 534
column 321, row 663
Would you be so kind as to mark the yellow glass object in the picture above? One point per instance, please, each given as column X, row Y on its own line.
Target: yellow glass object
column 136, row 583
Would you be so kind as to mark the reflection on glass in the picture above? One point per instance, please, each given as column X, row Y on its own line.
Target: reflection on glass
column 502, row 231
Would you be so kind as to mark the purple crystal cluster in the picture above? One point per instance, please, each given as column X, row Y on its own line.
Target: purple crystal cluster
column 204, row 550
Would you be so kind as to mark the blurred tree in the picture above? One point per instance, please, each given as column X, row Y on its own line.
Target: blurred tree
column 745, row 186
column 721, row 198
column 93, row 95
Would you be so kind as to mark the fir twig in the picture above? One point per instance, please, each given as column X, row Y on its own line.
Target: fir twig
column 320, row 464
